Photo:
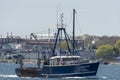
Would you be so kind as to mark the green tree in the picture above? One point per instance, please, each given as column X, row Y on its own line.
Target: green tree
column 105, row 52
column 64, row 45
column 117, row 45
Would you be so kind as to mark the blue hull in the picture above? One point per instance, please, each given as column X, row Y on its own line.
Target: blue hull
column 78, row 70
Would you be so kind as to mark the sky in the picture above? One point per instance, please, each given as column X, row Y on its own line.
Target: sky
column 93, row 17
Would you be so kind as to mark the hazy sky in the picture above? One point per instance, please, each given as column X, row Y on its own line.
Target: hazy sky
column 94, row 17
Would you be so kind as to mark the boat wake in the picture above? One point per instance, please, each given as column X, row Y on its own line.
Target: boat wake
column 87, row 78
column 73, row 78
column 70, row 78
column 12, row 76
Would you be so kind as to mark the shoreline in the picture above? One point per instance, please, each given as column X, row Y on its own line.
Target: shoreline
column 26, row 61
column 34, row 61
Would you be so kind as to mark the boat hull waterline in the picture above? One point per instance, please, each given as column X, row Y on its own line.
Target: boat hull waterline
column 78, row 70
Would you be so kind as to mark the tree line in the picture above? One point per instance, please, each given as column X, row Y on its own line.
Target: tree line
column 107, row 47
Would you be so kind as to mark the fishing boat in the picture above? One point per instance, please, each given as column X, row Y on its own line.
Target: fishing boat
column 58, row 66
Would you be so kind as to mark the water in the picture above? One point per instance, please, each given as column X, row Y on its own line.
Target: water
column 105, row 72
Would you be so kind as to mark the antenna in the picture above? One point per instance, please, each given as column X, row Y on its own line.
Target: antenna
column 59, row 22
column 57, row 17
column 62, row 20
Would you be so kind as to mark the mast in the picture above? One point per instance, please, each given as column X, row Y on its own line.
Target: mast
column 59, row 35
column 60, row 32
column 73, row 30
